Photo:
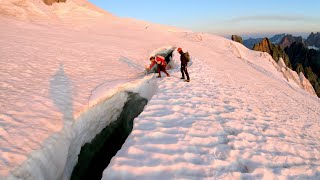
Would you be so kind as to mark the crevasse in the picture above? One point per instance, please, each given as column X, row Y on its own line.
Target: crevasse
column 59, row 153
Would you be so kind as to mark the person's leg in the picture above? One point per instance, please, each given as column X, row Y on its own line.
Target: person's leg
column 162, row 68
column 165, row 71
column 182, row 73
column 159, row 71
column 187, row 74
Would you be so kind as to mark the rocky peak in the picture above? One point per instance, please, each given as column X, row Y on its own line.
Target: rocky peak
column 314, row 39
column 264, row 46
column 288, row 39
column 237, row 38
column 274, row 50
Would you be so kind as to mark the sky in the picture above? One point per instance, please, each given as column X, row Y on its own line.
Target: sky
column 243, row 17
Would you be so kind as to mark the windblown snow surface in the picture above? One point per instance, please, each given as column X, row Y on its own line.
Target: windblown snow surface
column 60, row 85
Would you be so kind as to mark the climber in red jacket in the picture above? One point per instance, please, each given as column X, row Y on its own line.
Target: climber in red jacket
column 161, row 63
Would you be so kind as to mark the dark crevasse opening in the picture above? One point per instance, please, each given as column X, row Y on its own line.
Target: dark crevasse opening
column 95, row 156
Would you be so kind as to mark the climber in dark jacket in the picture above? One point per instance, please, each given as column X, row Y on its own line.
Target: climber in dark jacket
column 184, row 64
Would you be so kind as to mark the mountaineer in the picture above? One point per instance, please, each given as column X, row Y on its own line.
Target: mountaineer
column 184, row 58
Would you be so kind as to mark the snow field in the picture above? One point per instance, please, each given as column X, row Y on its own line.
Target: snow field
column 219, row 127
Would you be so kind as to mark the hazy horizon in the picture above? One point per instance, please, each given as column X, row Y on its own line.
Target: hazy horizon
column 268, row 35
column 248, row 19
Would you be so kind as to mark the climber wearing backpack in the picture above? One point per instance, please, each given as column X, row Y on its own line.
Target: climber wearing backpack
column 184, row 58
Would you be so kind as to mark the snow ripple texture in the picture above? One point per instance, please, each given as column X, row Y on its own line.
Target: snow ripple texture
column 205, row 129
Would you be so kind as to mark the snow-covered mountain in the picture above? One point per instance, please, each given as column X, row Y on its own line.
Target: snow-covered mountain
column 62, row 80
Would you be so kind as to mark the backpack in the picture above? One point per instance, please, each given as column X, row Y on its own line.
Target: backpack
column 187, row 55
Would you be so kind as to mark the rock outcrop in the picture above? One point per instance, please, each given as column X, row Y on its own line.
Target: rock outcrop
column 50, row 2
column 274, row 50
column 237, row 38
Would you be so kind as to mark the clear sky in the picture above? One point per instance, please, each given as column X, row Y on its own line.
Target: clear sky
column 223, row 17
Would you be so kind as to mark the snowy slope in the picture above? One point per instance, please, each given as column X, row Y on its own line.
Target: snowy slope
column 52, row 77
column 60, row 85
column 238, row 118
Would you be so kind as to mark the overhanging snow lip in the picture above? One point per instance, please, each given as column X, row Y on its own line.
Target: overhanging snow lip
column 165, row 50
column 57, row 157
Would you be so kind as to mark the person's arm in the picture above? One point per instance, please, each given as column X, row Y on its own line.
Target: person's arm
column 152, row 64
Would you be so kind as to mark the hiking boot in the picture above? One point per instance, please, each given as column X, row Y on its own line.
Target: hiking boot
column 182, row 78
column 158, row 76
column 187, row 80
column 168, row 75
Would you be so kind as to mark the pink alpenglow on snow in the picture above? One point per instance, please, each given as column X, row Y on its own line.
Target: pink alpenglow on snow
column 238, row 118
column 64, row 71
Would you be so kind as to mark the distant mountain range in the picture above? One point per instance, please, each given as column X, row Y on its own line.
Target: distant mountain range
column 249, row 43
column 285, row 40
column 299, row 54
